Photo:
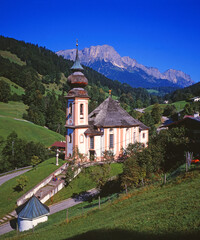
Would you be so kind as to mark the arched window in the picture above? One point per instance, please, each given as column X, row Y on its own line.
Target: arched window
column 70, row 108
column 81, row 110
column 70, row 138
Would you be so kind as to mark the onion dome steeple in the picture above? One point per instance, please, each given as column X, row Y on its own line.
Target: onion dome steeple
column 77, row 81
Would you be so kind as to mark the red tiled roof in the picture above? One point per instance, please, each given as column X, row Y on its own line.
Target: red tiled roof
column 59, row 144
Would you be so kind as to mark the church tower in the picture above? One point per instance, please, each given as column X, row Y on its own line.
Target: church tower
column 77, row 110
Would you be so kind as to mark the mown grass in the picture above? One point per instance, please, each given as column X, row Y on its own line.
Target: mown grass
column 12, row 57
column 9, row 196
column 163, row 212
column 83, row 182
column 28, row 131
column 13, row 109
column 13, row 86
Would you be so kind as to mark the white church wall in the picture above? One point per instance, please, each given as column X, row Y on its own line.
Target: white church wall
column 26, row 224
column 98, row 146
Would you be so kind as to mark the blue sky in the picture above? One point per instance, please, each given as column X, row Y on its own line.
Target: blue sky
column 158, row 33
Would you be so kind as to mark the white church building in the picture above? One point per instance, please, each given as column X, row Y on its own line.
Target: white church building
column 107, row 128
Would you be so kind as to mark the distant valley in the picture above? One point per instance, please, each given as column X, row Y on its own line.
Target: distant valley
column 107, row 61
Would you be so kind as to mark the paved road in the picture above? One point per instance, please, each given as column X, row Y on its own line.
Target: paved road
column 70, row 202
column 12, row 175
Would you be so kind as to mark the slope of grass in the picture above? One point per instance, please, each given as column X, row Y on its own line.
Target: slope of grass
column 83, row 182
column 13, row 109
column 13, row 86
column 9, row 196
column 179, row 106
column 12, row 57
column 28, row 131
column 165, row 212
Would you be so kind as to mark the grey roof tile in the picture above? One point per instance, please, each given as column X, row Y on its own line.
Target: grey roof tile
column 110, row 114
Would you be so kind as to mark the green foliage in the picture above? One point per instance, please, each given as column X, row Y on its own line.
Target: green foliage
column 156, row 113
column 169, row 110
column 108, row 155
column 70, row 173
column 22, row 182
column 35, row 161
column 18, row 152
column 5, row 92
column 100, row 175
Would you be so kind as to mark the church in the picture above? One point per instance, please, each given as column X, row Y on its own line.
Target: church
column 107, row 128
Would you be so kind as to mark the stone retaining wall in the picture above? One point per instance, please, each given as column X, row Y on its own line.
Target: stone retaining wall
column 44, row 182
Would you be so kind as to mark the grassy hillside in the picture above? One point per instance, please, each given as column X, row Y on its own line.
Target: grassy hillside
column 179, row 106
column 9, row 196
column 83, row 183
column 12, row 57
column 163, row 212
column 13, row 86
column 11, row 120
column 13, row 109
column 28, row 131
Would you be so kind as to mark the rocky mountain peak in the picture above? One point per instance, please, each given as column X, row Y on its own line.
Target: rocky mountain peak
column 97, row 56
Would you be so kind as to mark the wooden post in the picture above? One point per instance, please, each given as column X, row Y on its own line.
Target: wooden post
column 142, row 182
column 126, row 189
column 67, row 219
column 82, row 210
column 17, row 228
column 165, row 178
column 186, row 166
column 99, row 202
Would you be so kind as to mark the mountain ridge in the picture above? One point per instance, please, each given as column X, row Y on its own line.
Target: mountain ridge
column 96, row 57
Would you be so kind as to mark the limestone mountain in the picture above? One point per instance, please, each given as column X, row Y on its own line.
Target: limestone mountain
column 107, row 61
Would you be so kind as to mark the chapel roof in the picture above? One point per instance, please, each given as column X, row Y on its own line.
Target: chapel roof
column 33, row 208
column 110, row 114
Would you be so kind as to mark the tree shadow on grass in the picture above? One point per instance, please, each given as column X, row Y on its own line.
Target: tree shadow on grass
column 17, row 188
column 119, row 234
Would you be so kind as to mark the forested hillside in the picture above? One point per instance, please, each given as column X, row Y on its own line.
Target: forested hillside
column 43, row 76
column 185, row 93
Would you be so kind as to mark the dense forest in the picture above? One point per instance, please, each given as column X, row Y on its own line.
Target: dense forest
column 42, row 68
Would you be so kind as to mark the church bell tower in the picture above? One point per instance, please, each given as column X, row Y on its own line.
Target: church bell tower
column 77, row 109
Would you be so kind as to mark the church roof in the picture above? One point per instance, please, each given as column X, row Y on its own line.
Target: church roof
column 110, row 114
column 33, row 208
column 77, row 63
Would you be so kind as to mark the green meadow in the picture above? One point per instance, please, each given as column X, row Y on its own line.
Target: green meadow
column 161, row 212
column 11, row 120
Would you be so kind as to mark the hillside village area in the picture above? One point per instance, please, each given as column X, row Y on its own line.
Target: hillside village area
column 86, row 157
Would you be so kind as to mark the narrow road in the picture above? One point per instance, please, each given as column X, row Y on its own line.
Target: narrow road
column 57, row 207
column 7, row 177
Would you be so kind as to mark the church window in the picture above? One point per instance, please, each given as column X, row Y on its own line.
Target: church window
column 91, row 142
column 81, row 111
column 70, row 138
column 143, row 135
column 111, row 141
column 134, row 135
column 70, row 108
